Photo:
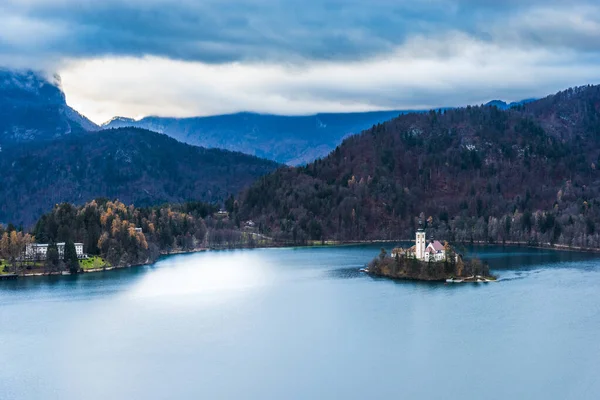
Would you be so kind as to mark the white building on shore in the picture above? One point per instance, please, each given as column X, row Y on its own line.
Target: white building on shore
column 39, row 251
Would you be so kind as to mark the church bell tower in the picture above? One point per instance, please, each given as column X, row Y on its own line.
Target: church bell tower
column 420, row 244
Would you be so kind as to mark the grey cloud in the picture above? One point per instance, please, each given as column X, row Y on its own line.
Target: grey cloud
column 576, row 28
column 221, row 31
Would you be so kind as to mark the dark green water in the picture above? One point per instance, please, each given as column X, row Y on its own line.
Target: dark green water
column 304, row 324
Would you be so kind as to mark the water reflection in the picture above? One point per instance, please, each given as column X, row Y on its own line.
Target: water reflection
column 352, row 272
column 208, row 273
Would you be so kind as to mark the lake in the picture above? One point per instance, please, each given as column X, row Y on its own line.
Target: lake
column 304, row 324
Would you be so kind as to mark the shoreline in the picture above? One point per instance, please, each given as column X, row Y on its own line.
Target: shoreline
column 547, row 246
column 330, row 243
column 541, row 246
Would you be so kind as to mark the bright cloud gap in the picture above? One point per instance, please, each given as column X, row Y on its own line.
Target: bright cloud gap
column 469, row 71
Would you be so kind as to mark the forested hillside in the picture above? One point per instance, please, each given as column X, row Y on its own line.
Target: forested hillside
column 529, row 173
column 134, row 165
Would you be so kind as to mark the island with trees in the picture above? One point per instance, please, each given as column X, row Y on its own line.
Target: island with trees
column 431, row 261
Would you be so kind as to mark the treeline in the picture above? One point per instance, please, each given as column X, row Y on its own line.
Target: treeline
column 576, row 226
column 527, row 174
column 127, row 235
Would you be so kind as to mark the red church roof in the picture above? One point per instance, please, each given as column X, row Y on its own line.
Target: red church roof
column 436, row 245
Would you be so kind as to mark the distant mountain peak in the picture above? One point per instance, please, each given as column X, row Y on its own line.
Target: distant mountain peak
column 33, row 107
column 498, row 103
column 117, row 119
column 502, row 105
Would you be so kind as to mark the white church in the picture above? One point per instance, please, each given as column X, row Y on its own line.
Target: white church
column 432, row 251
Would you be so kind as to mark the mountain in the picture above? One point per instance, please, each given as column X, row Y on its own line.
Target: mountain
column 505, row 106
column 32, row 108
column 133, row 165
column 529, row 173
column 499, row 104
column 292, row 140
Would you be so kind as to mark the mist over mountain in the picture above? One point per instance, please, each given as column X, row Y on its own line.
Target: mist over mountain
column 292, row 140
column 136, row 166
column 33, row 108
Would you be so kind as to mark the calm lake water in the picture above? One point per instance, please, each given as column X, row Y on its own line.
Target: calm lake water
column 304, row 324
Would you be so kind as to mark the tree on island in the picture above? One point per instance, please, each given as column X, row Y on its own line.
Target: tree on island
column 382, row 254
column 450, row 258
column 70, row 257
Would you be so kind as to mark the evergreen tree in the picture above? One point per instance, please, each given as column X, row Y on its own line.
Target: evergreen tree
column 70, row 257
column 53, row 261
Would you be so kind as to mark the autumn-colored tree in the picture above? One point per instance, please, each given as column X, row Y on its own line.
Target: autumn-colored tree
column 15, row 248
column 28, row 240
column 5, row 246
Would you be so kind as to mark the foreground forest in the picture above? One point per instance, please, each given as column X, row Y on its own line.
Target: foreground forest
column 127, row 235
column 527, row 174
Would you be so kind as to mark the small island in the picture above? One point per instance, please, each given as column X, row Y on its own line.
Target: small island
column 431, row 261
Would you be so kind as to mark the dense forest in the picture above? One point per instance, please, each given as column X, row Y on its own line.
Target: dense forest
column 528, row 174
column 134, row 165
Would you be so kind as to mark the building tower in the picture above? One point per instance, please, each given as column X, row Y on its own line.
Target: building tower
column 420, row 244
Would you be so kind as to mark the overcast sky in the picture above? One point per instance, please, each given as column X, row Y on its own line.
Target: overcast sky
column 182, row 58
